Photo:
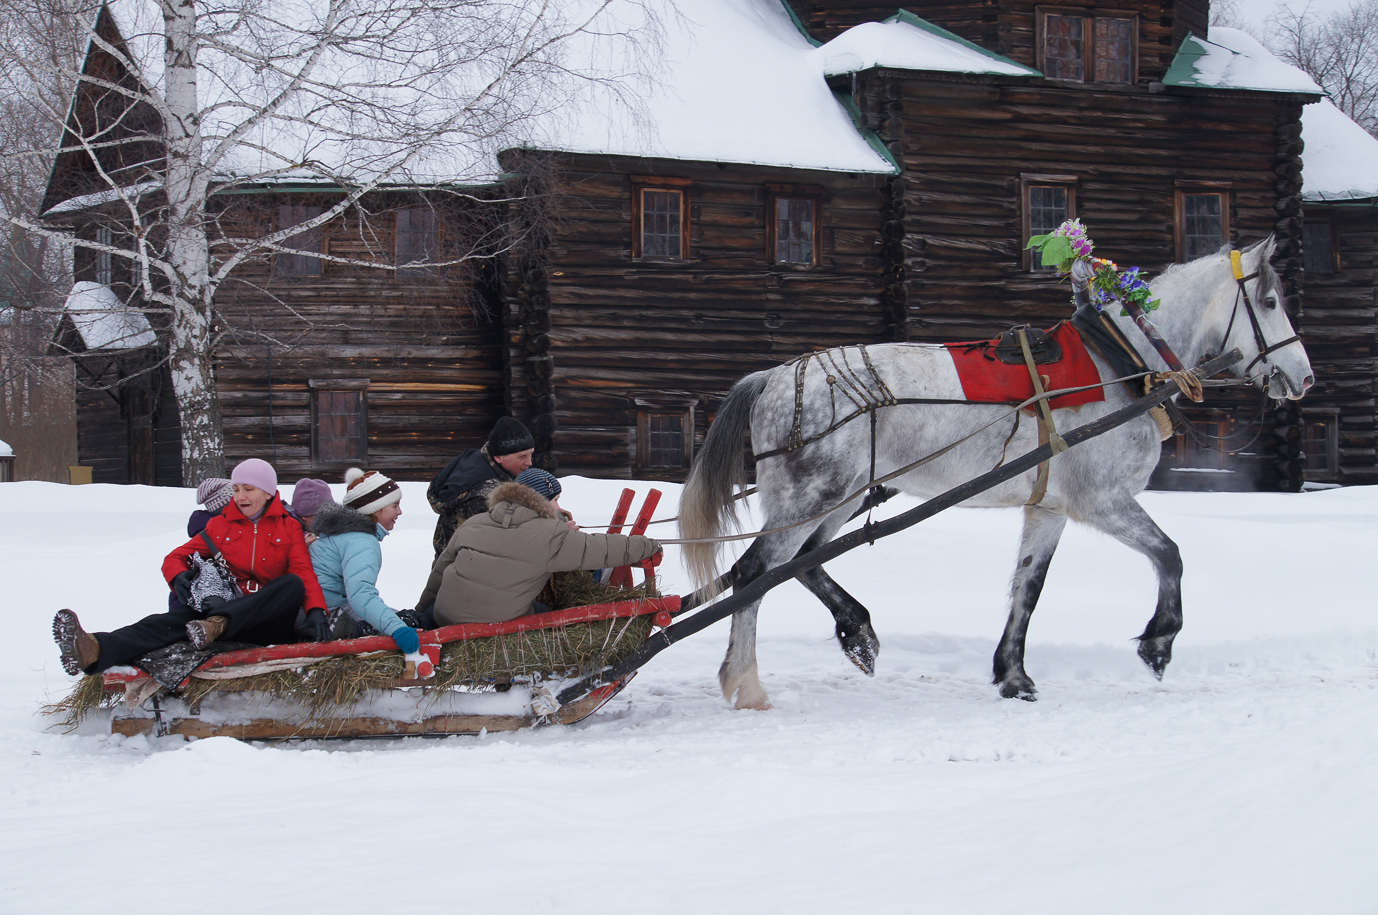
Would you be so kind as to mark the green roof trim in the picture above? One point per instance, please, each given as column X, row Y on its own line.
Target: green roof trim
column 1183, row 69
column 844, row 98
column 919, row 23
column 794, row 17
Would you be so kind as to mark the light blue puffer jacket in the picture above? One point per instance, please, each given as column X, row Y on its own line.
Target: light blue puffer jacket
column 348, row 557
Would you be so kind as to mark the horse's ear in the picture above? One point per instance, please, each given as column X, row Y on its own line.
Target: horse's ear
column 1263, row 249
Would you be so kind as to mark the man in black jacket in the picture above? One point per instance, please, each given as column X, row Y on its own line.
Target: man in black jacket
column 461, row 489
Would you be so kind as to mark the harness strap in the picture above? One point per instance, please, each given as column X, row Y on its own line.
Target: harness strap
column 1047, row 432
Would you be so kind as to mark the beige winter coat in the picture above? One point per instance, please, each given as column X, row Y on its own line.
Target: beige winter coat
column 496, row 564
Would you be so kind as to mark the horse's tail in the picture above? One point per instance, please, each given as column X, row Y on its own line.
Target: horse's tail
column 707, row 505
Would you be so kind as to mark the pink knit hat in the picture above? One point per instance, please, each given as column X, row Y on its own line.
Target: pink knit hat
column 255, row 472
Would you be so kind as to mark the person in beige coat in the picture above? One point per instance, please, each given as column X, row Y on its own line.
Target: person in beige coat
column 496, row 564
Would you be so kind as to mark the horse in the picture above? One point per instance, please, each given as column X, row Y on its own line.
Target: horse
column 808, row 462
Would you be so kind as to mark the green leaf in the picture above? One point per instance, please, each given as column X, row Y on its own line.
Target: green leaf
column 1037, row 241
column 1057, row 250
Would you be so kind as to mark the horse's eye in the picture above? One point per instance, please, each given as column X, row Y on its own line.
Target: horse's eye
column 1271, row 301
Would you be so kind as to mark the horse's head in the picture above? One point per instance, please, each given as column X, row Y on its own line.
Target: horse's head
column 1254, row 321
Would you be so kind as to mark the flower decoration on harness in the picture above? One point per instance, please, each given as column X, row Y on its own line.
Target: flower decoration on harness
column 1069, row 243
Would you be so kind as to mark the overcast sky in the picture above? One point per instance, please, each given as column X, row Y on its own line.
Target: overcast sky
column 1254, row 13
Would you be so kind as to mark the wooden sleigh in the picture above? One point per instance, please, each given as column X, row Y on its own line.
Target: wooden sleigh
column 466, row 679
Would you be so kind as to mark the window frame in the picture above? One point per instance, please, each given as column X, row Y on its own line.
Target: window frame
column 1329, row 418
column 1188, row 455
column 684, row 408
column 1179, row 226
column 1088, row 19
column 430, row 243
column 1333, row 260
column 300, row 264
column 640, row 185
column 104, row 262
column 320, row 386
column 774, row 194
column 1026, row 183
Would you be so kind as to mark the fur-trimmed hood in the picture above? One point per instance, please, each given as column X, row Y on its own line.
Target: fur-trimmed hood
column 524, row 496
column 333, row 518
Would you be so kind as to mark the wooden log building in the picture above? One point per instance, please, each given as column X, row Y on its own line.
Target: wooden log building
column 651, row 274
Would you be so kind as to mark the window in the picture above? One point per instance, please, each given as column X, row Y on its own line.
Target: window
column 1048, row 202
column 794, row 230
column 664, row 434
column 1321, row 446
column 660, row 215
column 1202, row 222
column 303, row 260
column 1072, row 45
column 105, row 270
column 417, row 242
column 1317, row 247
column 1208, row 451
column 339, row 420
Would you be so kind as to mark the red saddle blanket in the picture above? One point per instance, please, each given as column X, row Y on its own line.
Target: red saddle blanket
column 985, row 379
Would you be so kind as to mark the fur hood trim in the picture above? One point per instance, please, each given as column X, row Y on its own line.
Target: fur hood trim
column 523, row 496
column 333, row 518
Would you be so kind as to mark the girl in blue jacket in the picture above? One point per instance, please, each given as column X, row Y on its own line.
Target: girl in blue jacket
column 348, row 555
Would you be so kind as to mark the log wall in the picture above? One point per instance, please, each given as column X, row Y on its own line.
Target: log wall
column 430, row 353
column 622, row 329
column 1340, row 326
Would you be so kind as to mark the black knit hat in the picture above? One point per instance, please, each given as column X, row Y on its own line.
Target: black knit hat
column 509, row 437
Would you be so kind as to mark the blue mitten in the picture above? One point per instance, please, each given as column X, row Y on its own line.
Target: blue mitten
column 407, row 640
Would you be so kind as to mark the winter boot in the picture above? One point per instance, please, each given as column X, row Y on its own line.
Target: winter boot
column 79, row 648
column 203, row 632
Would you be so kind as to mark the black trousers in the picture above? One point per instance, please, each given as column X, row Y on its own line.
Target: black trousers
column 265, row 617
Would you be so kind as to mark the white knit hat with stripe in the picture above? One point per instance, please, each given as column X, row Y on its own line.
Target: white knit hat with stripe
column 369, row 492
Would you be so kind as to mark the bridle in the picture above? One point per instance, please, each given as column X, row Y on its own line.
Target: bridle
column 1237, row 266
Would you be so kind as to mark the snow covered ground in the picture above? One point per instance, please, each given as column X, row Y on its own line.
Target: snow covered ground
column 1245, row 781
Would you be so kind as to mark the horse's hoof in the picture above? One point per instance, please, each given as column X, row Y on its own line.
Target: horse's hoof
column 861, row 648
column 1019, row 689
column 757, row 700
column 1156, row 653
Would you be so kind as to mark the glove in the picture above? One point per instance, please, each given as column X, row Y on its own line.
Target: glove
column 181, row 586
column 316, row 627
column 653, row 561
column 407, row 640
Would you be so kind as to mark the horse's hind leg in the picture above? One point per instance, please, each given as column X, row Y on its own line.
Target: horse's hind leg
column 1037, row 543
column 1128, row 523
column 852, row 619
column 738, row 674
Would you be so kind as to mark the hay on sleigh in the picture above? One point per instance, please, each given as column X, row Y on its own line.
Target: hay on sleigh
column 333, row 684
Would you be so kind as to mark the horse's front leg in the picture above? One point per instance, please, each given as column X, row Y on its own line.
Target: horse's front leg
column 1042, row 531
column 1131, row 525
column 853, row 620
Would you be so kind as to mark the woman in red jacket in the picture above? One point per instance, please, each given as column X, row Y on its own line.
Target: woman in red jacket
column 264, row 547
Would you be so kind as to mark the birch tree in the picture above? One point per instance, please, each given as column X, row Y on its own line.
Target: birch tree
column 1339, row 51
column 355, row 95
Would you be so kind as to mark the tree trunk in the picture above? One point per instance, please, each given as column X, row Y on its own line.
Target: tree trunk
column 188, row 255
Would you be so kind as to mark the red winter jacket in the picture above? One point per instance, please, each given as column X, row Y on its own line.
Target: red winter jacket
column 256, row 551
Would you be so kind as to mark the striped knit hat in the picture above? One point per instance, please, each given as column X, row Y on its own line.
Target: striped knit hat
column 369, row 492
column 215, row 493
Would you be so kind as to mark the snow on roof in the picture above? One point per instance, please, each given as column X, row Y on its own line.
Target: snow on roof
column 906, row 42
column 1233, row 59
column 103, row 321
column 6, row 450
column 100, row 198
column 730, row 80
column 1340, row 161
column 737, row 82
